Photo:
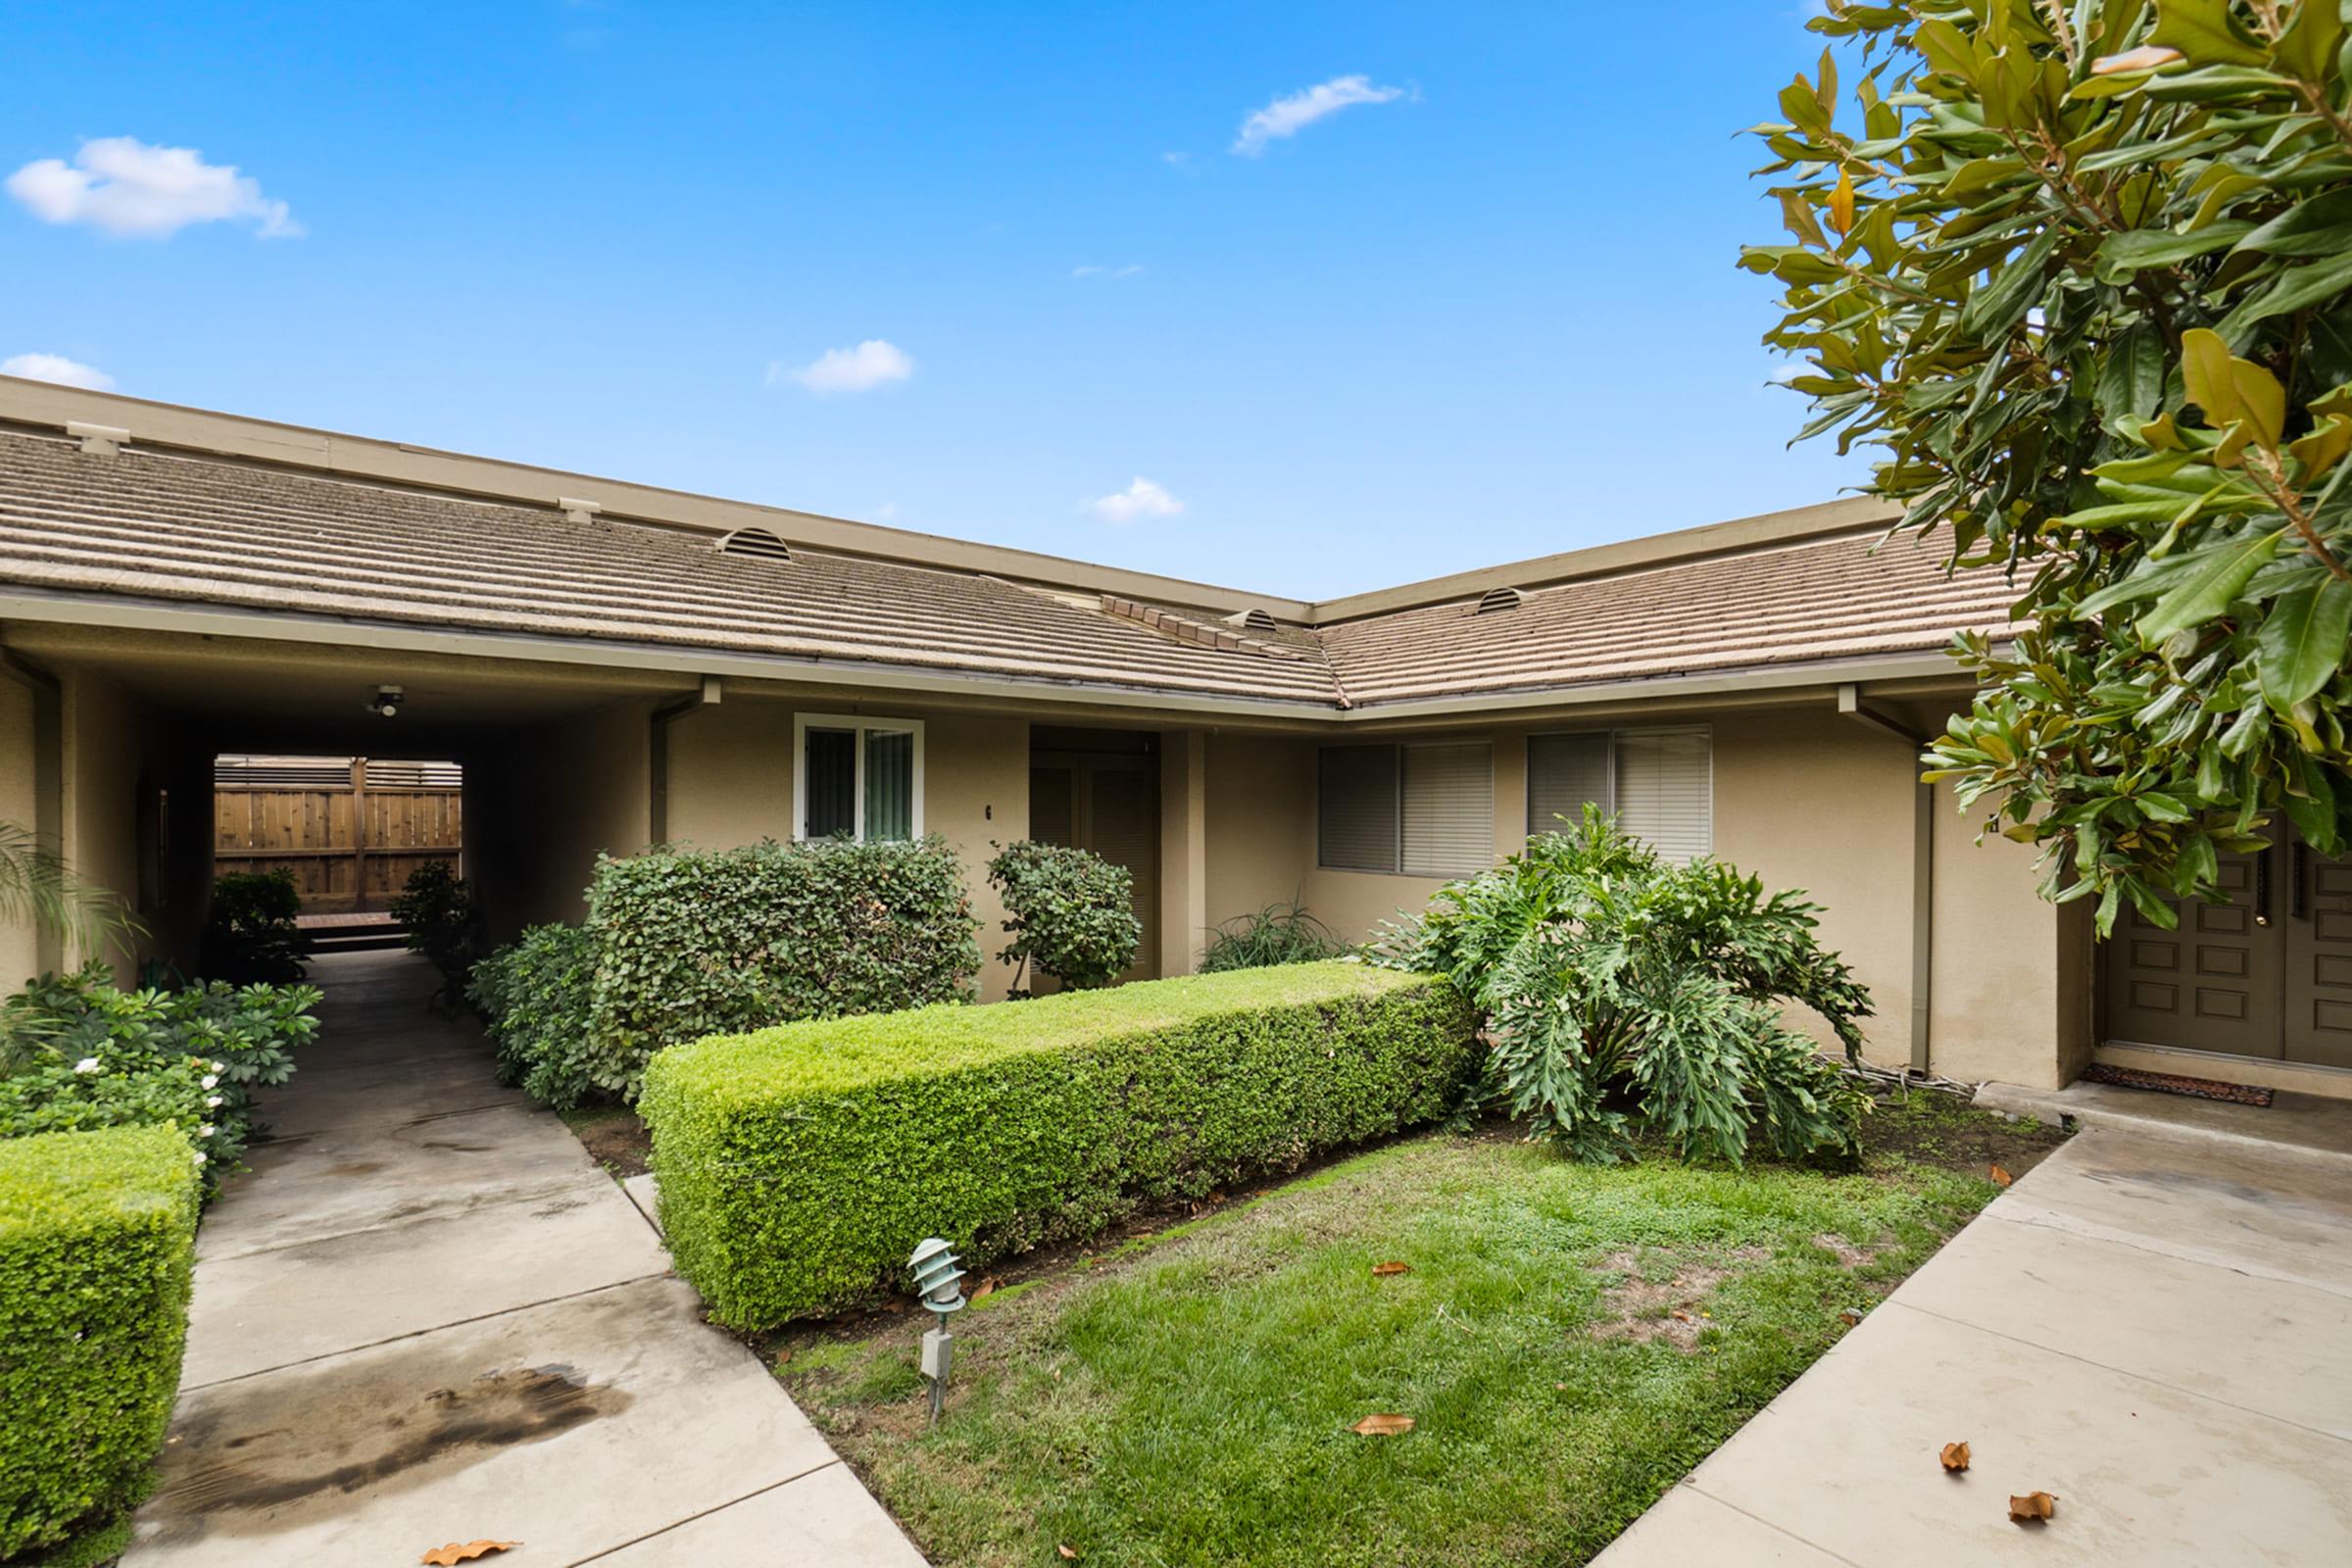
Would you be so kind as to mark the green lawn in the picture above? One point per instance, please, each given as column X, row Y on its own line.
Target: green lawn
column 1186, row 1398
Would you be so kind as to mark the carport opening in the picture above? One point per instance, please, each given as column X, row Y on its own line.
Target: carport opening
column 350, row 830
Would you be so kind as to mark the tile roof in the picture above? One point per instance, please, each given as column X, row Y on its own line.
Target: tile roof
column 167, row 525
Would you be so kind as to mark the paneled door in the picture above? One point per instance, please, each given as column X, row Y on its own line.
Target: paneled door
column 2319, row 959
column 2269, row 973
column 2212, row 984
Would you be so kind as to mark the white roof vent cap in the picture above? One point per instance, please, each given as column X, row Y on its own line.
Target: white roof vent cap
column 577, row 511
column 99, row 440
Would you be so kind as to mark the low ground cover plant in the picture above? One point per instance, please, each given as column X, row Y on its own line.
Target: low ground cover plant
column 1626, row 994
column 249, row 932
column 187, row 1059
column 1279, row 932
column 1070, row 914
column 801, row 1164
column 1568, row 1339
column 684, row 942
column 97, row 1238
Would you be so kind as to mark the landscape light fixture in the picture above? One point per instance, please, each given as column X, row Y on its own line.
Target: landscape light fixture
column 386, row 701
column 933, row 1266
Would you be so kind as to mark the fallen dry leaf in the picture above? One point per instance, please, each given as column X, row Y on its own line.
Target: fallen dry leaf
column 1681, row 1316
column 2000, row 1177
column 1068, row 1551
column 465, row 1551
column 1849, row 1317
column 2032, row 1506
column 1384, row 1425
column 1382, row 1269
column 987, row 1287
column 1956, row 1456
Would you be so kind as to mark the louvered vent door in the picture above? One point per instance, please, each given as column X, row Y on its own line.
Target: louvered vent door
column 1448, row 810
column 2212, row 984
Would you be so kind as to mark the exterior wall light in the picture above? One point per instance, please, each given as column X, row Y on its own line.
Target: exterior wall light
column 936, row 1281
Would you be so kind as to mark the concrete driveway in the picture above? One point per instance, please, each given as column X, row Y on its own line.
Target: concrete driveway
column 425, row 1316
column 2156, row 1329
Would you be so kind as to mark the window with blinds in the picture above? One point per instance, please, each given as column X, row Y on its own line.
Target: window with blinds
column 1356, row 808
column 1423, row 811
column 1448, row 810
column 856, row 778
column 1660, row 783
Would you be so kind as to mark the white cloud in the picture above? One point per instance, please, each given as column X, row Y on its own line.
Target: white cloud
column 1129, row 270
column 869, row 365
column 58, row 368
column 1140, row 500
column 123, row 186
column 1287, row 115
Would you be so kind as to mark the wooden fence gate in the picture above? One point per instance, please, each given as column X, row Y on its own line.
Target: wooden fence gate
column 350, row 829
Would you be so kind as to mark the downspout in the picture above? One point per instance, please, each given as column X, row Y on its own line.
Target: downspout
column 48, row 780
column 713, row 691
column 1923, row 874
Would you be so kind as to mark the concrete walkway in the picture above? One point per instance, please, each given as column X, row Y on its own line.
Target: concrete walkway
column 2156, row 1328
column 424, row 1316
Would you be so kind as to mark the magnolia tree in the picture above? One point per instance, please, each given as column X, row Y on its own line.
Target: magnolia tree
column 2082, row 273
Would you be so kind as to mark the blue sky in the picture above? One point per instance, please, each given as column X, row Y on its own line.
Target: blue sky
column 1472, row 303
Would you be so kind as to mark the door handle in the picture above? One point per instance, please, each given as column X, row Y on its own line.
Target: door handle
column 2262, row 886
column 2297, row 897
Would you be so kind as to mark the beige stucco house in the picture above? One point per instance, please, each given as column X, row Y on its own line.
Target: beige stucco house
column 616, row 666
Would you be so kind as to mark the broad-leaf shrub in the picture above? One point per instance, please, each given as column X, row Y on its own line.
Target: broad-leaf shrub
column 97, row 1238
column 187, row 1059
column 1279, row 932
column 1625, row 993
column 437, row 909
column 800, row 1165
column 1071, row 914
column 534, row 995
column 698, row 942
column 249, row 932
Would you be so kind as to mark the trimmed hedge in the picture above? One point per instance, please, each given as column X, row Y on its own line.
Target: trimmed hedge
column 700, row 942
column 800, row 1165
column 97, row 1241
column 534, row 995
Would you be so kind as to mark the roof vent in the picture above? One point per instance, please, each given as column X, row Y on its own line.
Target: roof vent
column 98, row 440
column 1494, row 599
column 756, row 542
column 577, row 511
column 1252, row 620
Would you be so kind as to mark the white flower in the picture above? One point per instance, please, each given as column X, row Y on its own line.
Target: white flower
column 197, row 1156
column 205, row 1131
column 211, row 1082
column 212, row 1102
column 86, row 1064
column 220, row 1067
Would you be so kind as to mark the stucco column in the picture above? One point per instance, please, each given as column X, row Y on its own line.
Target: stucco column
column 1183, row 849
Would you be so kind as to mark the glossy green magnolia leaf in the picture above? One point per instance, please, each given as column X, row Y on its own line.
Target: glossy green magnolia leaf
column 2217, row 576
column 2303, row 641
column 2003, row 301
column 2206, row 33
column 2137, row 250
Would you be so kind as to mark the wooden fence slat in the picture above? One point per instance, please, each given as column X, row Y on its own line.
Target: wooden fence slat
column 349, row 849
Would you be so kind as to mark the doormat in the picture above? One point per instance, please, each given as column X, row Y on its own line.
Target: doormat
column 2173, row 1082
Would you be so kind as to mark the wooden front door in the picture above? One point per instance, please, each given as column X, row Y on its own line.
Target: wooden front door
column 1083, row 792
column 2268, row 973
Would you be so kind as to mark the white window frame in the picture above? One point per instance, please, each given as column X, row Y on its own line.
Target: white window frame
column 803, row 724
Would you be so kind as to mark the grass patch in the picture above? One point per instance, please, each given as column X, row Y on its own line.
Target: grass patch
column 1570, row 1341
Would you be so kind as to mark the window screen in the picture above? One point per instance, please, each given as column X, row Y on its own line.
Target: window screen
column 1356, row 808
column 832, row 784
column 1564, row 774
column 1448, row 810
column 1666, row 790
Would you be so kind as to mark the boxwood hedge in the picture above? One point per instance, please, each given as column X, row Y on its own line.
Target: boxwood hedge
column 800, row 1165
column 97, row 1238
